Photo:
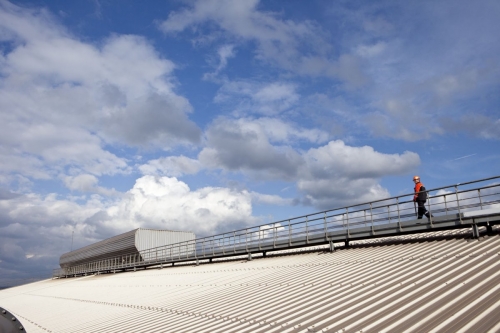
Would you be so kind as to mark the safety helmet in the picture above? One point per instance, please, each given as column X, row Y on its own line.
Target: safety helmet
column 416, row 178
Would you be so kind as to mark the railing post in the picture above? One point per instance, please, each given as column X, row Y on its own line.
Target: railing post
column 347, row 218
column 234, row 241
column 445, row 205
column 307, row 230
column 324, row 222
column 429, row 205
column 289, row 233
column 371, row 216
column 480, row 200
column 223, row 244
column 259, row 237
column 458, row 204
column 399, row 215
column 246, row 239
column 195, row 246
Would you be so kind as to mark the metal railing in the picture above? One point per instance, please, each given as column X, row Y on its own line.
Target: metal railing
column 448, row 205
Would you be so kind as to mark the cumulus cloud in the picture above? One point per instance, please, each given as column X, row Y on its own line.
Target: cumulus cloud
column 35, row 230
column 69, row 99
column 168, row 203
column 336, row 174
column 87, row 184
column 328, row 176
column 243, row 145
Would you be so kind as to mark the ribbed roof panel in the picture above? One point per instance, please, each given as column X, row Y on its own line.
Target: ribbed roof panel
column 427, row 283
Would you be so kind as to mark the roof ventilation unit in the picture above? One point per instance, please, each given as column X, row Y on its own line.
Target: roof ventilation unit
column 137, row 241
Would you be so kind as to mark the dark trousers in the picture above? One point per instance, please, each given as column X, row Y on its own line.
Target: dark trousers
column 422, row 210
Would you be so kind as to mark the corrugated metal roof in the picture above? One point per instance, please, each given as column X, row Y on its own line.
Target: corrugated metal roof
column 434, row 282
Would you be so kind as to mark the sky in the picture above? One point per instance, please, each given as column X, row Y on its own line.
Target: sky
column 214, row 115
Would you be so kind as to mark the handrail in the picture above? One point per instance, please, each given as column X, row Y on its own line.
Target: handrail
column 255, row 239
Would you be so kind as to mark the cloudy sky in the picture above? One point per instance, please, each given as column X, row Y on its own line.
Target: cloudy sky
column 213, row 115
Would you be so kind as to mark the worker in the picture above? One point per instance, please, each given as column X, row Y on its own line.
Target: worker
column 420, row 198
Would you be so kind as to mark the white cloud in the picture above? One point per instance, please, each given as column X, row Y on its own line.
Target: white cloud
column 167, row 203
column 68, row 99
column 244, row 145
column 172, row 166
column 248, row 97
column 327, row 176
column 369, row 51
column 338, row 159
column 224, row 53
column 279, row 41
column 87, row 184
column 84, row 183
column 43, row 225
column 282, row 132
column 337, row 174
column 485, row 127
column 153, row 202
column 270, row 199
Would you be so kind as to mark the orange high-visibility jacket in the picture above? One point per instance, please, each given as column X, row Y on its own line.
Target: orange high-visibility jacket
column 420, row 194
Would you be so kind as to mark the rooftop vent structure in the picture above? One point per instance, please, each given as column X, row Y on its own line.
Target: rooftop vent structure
column 133, row 242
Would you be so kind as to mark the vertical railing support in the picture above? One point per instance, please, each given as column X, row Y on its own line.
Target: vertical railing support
column 458, row 204
column 347, row 218
column 246, row 239
column 307, row 231
column 371, row 217
column 275, row 231
column 480, row 200
column 429, row 210
column 324, row 224
column 399, row 215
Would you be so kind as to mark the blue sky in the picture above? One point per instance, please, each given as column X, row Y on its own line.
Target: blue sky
column 214, row 115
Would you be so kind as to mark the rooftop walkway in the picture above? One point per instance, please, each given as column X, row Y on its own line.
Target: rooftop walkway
column 472, row 204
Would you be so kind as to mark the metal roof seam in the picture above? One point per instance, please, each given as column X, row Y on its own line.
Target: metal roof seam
column 372, row 305
column 317, row 291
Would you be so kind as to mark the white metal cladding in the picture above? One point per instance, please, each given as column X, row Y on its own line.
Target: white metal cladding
column 131, row 242
column 124, row 243
column 434, row 282
column 147, row 239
